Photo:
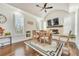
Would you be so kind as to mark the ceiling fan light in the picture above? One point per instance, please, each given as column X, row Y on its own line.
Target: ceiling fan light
column 45, row 10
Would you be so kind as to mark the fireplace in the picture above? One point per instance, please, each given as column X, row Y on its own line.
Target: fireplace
column 55, row 26
column 55, row 31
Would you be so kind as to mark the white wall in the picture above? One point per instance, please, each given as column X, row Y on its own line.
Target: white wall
column 77, row 39
column 8, row 11
column 56, row 13
column 69, row 23
column 74, row 7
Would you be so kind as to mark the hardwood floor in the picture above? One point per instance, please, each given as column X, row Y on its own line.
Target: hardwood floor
column 17, row 49
column 20, row 49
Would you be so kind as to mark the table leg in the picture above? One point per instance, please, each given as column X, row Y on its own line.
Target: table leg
column 10, row 40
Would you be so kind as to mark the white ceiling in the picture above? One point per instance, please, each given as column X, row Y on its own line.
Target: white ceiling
column 31, row 7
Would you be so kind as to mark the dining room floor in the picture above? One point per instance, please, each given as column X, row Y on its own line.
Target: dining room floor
column 20, row 49
column 16, row 49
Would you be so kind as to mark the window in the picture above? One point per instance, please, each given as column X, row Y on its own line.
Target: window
column 19, row 23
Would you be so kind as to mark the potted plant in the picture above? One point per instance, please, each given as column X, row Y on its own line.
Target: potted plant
column 7, row 33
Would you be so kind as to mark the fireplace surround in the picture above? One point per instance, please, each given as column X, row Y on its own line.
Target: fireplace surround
column 56, row 30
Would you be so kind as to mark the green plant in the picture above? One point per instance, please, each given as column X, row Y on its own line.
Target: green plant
column 7, row 33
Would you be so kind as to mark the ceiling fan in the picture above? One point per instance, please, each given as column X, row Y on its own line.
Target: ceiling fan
column 44, row 7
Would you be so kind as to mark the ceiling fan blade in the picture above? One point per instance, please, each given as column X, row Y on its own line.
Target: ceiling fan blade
column 45, row 5
column 48, row 7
